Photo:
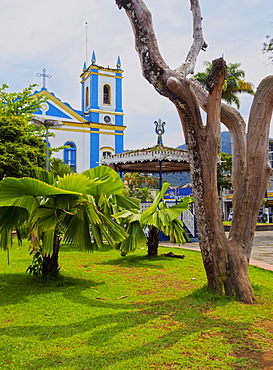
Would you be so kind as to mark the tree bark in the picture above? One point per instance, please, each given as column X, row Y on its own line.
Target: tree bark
column 225, row 259
column 50, row 263
column 152, row 241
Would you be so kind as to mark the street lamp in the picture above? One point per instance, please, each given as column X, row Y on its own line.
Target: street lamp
column 47, row 123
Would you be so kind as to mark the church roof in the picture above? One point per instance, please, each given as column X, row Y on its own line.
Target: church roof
column 54, row 108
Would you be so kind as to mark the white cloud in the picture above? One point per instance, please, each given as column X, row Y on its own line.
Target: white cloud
column 51, row 34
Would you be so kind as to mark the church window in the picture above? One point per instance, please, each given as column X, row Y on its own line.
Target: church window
column 87, row 96
column 106, row 94
column 106, row 154
column 70, row 155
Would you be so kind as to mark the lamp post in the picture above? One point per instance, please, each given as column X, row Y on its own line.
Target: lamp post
column 47, row 123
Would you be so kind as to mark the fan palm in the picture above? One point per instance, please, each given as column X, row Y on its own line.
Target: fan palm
column 69, row 209
column 234, row 82
column 158, row 217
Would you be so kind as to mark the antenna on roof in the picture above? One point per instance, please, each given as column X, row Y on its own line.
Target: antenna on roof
column 86, row 42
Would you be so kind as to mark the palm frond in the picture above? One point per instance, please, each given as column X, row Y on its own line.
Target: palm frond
column 77, row 232
column 177, row 232
column 45, row 176
column 246, row 87
column 10, row 219
column 110, row 182
column 76, row 183
column 27, row 202
column 149, row 211
column 125, row 202
column 135, row 238
column 20, row 187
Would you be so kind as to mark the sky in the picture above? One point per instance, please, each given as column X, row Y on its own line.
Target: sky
column 52, row 34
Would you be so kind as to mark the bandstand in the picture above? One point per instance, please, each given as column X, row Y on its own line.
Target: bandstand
column 159, row 159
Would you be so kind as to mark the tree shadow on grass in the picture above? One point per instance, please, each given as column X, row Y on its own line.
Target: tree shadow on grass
column 147, row 328
column 15, row 288
column 133, row 261
column 69, row 248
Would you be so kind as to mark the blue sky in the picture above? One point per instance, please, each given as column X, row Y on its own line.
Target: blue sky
column 51, row 35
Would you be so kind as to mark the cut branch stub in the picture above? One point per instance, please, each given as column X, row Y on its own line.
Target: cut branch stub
column 218, row 70
column 122, row 4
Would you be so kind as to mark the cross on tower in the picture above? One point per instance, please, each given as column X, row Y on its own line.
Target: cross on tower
column 44, row 75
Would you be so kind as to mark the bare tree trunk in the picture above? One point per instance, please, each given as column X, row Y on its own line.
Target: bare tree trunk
column 225, row 259
column 223, row 274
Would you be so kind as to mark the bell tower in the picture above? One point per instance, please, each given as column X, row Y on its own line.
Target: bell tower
column 101, row 104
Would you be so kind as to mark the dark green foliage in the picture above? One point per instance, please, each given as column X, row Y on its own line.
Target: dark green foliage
column 144, row 194
column 59, row 168
column 36, row 267
column 22, row 147
column 178, row 179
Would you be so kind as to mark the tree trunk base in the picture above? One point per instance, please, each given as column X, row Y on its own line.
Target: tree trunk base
column 50, row 263
column 50, row 266
column 228, row 274
column 152, row 242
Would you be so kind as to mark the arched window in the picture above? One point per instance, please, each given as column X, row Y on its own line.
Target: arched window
column 106, row 94
column 70, row 155
column 106, row 154
column 87, row 96
column 105, row 151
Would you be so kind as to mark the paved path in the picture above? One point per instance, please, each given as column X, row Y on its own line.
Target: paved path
column 262, row 251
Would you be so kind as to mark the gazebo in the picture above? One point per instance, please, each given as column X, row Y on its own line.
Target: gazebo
column 158, row 159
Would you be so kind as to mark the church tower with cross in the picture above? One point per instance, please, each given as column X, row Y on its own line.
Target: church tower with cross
column 97, row 129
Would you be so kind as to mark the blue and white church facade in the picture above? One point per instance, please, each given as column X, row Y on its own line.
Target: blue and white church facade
column 97, row 129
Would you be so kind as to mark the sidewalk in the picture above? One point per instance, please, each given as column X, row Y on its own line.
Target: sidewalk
column 262, row 250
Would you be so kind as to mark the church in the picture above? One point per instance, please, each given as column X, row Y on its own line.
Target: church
column 95, row 131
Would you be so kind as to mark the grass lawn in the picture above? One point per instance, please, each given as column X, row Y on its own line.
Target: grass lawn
column 111, row 312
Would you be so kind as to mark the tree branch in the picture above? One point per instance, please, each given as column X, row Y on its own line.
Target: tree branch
column 198, row 41
column 247, row 201
column 215, row 82
column 189, row 112
column 153, row 65
column 236, row 125
column 258, row 136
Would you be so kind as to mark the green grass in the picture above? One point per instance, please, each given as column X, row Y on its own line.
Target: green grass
column 111, row 312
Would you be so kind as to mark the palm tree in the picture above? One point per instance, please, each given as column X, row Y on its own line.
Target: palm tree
column 144, row 194
column 75, row 209
column 158, row 217
column 234, row 82
column 59, row 168
column 133, row 180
